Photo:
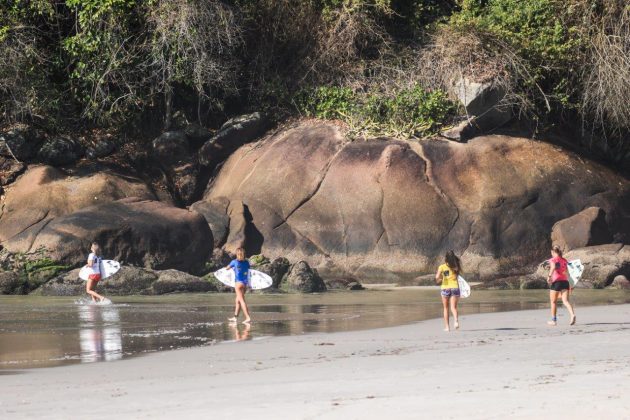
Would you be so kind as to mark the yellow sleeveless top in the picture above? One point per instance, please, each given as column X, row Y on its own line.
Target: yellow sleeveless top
column 449, row 278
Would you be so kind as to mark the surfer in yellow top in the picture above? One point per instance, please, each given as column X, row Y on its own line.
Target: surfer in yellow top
column 94, row 263
column 447, row 275
column 241, row 271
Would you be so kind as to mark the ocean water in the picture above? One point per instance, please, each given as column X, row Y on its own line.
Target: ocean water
column 50, row 331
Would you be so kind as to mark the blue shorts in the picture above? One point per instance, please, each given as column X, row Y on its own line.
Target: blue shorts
column 245, row 282
column 450, row 292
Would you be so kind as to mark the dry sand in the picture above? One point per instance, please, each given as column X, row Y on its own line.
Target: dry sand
column 498, row 365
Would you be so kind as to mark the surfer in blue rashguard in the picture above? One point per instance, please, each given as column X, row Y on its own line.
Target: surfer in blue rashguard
column 241, row 271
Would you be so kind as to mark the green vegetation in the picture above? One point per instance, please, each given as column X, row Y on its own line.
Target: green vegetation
column 409, row 113
column 33, row 268
column 381, row 66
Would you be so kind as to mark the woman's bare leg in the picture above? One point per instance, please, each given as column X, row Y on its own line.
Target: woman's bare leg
column 565, row 301
column 445, row 313
column 89, row 288
column 454, row 301
column 240, row 296
column 553, row 299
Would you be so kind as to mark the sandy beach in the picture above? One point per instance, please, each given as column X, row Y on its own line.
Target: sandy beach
column 497, row 365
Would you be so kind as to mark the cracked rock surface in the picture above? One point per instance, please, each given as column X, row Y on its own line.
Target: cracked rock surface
column 388, row 210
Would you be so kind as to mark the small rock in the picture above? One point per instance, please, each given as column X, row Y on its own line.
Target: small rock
column 103, row 146
column 276, row 269
column 9, row 281
column 232, row 135
column 197, row 135
column 302, row 278
column 170, row 147
column 620, row 282
column 343, row 284
column 23, row 143
column 10, row 170
column 60, row 151
column 171, row 281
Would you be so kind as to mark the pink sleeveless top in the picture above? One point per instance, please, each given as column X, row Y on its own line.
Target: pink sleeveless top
column 560, row 273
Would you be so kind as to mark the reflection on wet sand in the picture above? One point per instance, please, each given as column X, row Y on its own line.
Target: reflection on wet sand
column 241, row 332
column 44, row 331
column 100, row 335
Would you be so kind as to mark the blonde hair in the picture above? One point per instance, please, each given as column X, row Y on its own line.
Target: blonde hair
column 240, row 254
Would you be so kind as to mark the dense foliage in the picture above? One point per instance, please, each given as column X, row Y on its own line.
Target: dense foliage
column 383, row 66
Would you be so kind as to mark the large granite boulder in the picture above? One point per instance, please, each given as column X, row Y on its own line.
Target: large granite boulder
column 44, row 192
column 585, row 228
column 133, row 231
column 385, row 210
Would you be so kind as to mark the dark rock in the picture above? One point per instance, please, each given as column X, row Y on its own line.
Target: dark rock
column 23, row 143
column 215, row 213
column 60, row 151
column 302, row 278
column 533, row 282
column 132, row 231
column 221, row 258
column 9, row 281
column 103, row 146
column 185, row 178
column 339, row 283
column 620, row 282
column 276, row 269
column 10, row 170
column 197, row 135
column 232, row 135
column 68, row 284
column 170, row 147
column 602, row 263
column 585, row 228
column 179, row 121
column 128, row 281
column 171, row 281
column 386, row 210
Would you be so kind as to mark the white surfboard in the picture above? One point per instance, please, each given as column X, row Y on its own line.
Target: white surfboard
column 257, row 279
column 575, row 271
column 108, row 268
column 464, row 287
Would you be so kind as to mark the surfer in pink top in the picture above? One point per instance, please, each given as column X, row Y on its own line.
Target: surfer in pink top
column 558, row 280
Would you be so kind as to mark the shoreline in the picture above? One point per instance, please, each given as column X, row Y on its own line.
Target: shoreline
column 506, row 363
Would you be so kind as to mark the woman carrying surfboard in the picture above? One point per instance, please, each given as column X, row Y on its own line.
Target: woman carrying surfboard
column 447, row 275
column 94, row 265
column 241, row 271
column 558, row 280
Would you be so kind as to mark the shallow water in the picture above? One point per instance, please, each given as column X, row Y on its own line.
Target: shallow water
column 47, row 331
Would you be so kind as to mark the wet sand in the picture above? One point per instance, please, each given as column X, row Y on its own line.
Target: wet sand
column 499, row 364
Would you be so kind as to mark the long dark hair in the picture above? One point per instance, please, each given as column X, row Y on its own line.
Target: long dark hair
column 557, row 250
column 453, row 262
